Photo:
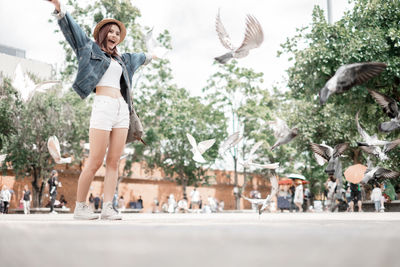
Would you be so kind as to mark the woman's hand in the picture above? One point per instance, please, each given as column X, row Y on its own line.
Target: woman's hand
column 56, row 4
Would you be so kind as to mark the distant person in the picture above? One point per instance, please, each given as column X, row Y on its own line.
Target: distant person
column 63, row 202
column 121, row 203
column 6, row 197
column 96, row 202
column 330, row 185
column 194, row 199
column 26, row 199
column 140, row 203
column 171, row 203
column 53, row 183
column 91, row 201
column 355, row 197
column 182, row 205
column 376, row 197
column 298, row 195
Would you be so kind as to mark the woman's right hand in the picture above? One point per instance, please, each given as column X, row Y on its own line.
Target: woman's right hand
column 56, row 4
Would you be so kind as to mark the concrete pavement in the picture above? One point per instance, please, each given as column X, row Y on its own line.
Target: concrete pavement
column 223, row 239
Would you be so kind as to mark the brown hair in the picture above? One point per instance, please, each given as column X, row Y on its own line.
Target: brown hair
column 101, row 39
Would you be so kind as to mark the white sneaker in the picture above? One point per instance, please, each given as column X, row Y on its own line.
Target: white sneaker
column 83, row 212
column 108, row 212
column 54, row 212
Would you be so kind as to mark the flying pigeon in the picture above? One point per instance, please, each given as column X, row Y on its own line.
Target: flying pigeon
column 282, row 132
column 154, row 47
column 348, row 76
column 390, row 107
column 378, row 173
column 254, row 37
column 249, row 161
column 54, row 148
column 26, row 86
column 230, row 142
column 199, row 149
column 372, row 145
column 324, row 153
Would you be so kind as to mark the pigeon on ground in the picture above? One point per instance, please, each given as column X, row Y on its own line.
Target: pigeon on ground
column 254, row 37
column 274, row 190
column 348, row 76
column 282, row 132
column 154, row 47
column 27, row 87
column 54, row 148
column 230, row 142
column 199, row 149
column 390, row 107
column 372, row 145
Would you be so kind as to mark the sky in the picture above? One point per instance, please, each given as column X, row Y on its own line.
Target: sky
column 24, row 25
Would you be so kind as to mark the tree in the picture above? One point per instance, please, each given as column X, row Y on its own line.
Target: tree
column 30, row 125
column 237, row 92
column 369, row 32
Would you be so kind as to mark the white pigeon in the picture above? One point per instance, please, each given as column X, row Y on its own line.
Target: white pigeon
column 230, row 142
column 274, row 190
column 199, row 149
column 54, row 148
column 253, row 38
column 26, row 86
column 249, row 161
column 154, row 47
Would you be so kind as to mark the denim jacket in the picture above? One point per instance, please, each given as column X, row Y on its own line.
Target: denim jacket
column 93, row 62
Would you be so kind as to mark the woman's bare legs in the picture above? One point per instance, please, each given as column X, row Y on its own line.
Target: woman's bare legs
column 117, row 145
column 98, row 140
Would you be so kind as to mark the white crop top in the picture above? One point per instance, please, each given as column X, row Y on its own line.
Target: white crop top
column 112, row 76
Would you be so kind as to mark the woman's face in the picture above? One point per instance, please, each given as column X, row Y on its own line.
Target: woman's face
column 113, row 37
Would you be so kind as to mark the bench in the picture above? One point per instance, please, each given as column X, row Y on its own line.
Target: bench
column 393, row 206
column 40, row 210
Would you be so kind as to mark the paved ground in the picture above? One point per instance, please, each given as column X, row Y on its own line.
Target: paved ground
column 233, row 239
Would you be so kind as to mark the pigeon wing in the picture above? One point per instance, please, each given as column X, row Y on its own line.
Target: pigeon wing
column 204, row 145
column 265, row 166
column 192, row 141
column 391, row 145
column 254, row 35
column 382, row 173
column 323, row 151
column 254, row 149
column 388, row 104
column 366, row 137
column 222, row 34
column 359, row 73
column 54, row 148
column 339, row 149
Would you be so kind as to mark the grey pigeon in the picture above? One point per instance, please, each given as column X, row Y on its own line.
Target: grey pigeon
column 329, row 154
column 249, row 161
column 378, row 173
column 348, row 76
column 390, row 107
column 282, row 132
column 254, row 37
column 372, row 145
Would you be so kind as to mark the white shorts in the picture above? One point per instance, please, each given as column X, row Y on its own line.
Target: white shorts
column 109, row 112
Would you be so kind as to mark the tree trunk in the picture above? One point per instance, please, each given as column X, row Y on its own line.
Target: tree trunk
column 356, row 156
column 237, row 198
column 36, row 190
column 184, row 185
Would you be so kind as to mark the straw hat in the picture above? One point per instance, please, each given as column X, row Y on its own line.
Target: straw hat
column 108, row 20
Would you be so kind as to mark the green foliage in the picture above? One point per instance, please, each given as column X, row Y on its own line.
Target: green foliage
column 369, row 32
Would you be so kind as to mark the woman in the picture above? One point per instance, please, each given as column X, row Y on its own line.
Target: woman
column 299, row 195
column 109, row 74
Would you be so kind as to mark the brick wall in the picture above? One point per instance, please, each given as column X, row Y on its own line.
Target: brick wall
column 148, row 185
